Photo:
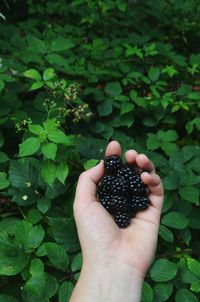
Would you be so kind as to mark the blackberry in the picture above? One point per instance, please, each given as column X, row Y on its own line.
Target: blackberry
column 107, row 203
column 119, row 203
column 139, row 203
column 112, row 163
column 119, row 186
column 122, row 220
column 126, row 172
column 137, row 186
column 102, row 191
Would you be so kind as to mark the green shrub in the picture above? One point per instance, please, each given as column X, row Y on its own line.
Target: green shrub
column 87, row 72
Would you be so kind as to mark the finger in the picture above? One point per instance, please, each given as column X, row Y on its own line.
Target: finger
column 113, row 148
column 130, row 157
column 154, row 183
column 87, row 183
column 156, row 191
column 144, row 162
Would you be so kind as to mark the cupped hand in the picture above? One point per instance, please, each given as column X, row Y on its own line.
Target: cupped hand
column 101, row 239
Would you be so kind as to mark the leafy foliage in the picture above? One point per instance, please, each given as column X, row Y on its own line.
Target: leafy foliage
column 88, row 72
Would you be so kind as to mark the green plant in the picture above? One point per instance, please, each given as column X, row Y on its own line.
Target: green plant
column 88, row 72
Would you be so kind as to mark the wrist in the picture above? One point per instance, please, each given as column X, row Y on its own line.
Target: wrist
column 113, row 281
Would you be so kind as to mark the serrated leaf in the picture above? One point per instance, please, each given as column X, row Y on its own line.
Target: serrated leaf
column 30, row 146
column 62, row 171
column 190, row 193
column 57, row 255
column 36, row 45
column 175, row 220
column 32, row 74
column 49, row 74
column 48, row 172
column 184, row 295
column 60, row 137
column 163, row 270
column 65, row 291
column 49, row 150
column 126, row 107
column 35, row 236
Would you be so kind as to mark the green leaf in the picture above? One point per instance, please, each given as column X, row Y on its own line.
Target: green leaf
column 49, row 150
column 4, row 182
column 190, row 193
column 163, row 291
column 163, row 270
column 90, row 163
column 60, row 137
column 61, row 44
column 184, row 295
column 194, row 266
column 65, row 291
column 36, row 267
column 34, row 216
column 35, row 237
column 35, row 129
column 113, row 89
column 147, row 293
column 154, row 73
column 105, row 108
column 126, row 107
column 77, row 262
column 152, row 141
column 42, row 286
column 167, row 136
column 43, row 205
column 195, row 286
column 166, row 234
column 10, row 266
column 175, row 220
column 30, row 146
column 49, row 74
column 6, row 298
column 62, row 171
column 48, row 172
column 2, row 85
column 36, row 44
column 32, row 74
column 36, row 85
column 57, row 255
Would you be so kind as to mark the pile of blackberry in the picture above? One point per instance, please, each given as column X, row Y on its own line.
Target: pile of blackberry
column 121, row 191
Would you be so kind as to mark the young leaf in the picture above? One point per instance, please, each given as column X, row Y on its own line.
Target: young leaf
column 49, row 74
column 32, row 74
column 49, row 150
column 30, row 146
column 60, row 137
column 62, row 171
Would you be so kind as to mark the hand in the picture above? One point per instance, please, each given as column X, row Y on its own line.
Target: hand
column 121, row 254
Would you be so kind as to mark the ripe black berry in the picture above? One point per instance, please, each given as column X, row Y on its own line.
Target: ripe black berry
column 122, row 220
column 121, row 191
column 112, row 163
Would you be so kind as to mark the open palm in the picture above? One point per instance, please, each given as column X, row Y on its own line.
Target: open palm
column 101, row 239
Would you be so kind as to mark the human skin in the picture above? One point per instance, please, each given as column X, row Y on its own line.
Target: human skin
column 115, row 260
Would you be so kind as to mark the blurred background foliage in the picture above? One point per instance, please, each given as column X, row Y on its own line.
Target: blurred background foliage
column 74, row 75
